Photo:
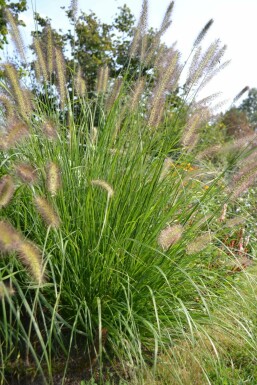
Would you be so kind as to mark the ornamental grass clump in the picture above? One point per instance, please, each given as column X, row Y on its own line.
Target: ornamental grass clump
column 111, row 202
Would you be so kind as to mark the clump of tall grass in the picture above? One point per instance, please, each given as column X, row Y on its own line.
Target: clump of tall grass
column 128, row 233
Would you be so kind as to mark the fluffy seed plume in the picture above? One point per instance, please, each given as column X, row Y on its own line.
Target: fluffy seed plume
column 19, row 95
column 79, row 83
column 167, row 165
column 190, row 134
column 245, row 177
column 49, row 130
column 224, row 213
column 50, row 50
column 104, row 185
column 15, row 134
column 140, row 29
column 47, row 212
column 199, row 244
column 53, row 178
column 40, row 58
column 7, row 189
column 169, row 236
column 31, row 256
column 241, row 93
column 93, row 135
column 26, row 173
column 15, row 34
column 203, row 33
column 102, row 79
column 233, row 222
column 61, row 75
column 165, row 82
column 6, row 290
column 9, row 237
column 114, row 94
column 137, row 93
column 8, row 107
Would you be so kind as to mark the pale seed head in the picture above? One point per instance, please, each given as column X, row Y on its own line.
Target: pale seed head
column 8, row 106
column 15, row 34
column 61, row 75
column 6, row 290
column 26, row 172
column 32, row 258
column 15, row 134
column 9, row 237
column 7, row 189
column 47, row 212
column 49, row 129
column 53, row 178
column 104, row 185
column 199, row 244
column 169, row 236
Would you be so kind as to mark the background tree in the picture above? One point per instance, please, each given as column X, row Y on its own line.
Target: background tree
column 236, row 123
column 16, row 7
column 249, row 107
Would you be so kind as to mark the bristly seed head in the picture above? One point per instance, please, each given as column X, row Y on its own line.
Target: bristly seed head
column 61, row 75
column 9, row 237
column 6, row 290
column 7, row 189
column 15, row 34
column 47, row 212
column 203, row 32
column 169, row 236
column 53, row 178
column 104, row 185
column 15, row 134
column 49, row 130
column 26, row 172
column 8, row 106
column 199, row 244
column 32, row 258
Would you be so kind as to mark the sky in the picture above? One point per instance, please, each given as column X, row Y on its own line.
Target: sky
column 235, row 24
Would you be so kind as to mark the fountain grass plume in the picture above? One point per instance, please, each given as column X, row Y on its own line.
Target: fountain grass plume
column 53, row 178
column 169, row 236
column 48, row 128
column 203, row 33
column 8, row 107
column 26, row 172
column 61, row 75
column 164, row 81
column 140, row 29
column 18, row 93
column 10, row 238
column 47, row 212
column 50, row 51
column 6, row 290
column 7, row 189
column 199, row 244
column 16, row 133
column 40, row 57
column 102, row 79
column 15, row 34
column 79, row 83
column 31, row 256
column 104, row 185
